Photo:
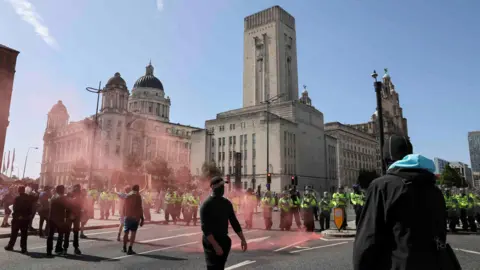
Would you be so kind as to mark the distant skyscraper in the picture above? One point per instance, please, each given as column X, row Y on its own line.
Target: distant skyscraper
column 440, row 165
column 474, row 147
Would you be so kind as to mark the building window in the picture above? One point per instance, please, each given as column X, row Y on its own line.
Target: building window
column 230, row 140
column 254, row 169
column 234, row 139
column 230, row 155
column 109, row 135
column 107, row 149
column 223, row 141
column 253, row 140
column 223, row 156
column 109, row 123
column 245, row 154
column 117, row 150
column 219, row 141
column 245, row 172
column 119, row 135
column 254, row 153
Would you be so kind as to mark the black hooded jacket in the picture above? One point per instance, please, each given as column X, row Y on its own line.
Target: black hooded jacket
column 403, row 213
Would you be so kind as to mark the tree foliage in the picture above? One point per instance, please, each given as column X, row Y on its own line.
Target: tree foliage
column 209, row 170
column 132, row 163
column 159, row 170
column 450, row 177
column 184, row 177
column 79, row 171
column 365, row 177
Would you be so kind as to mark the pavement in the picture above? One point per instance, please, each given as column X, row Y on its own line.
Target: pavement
column 179, row 247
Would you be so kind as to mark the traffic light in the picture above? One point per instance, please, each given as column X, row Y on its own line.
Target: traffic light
column 269, row 178
column 296, row 180
column 293, row 180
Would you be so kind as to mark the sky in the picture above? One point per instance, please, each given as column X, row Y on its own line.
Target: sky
column 430, row 47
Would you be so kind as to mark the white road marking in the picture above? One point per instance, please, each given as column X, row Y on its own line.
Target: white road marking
column 300, row 247
column 181, row 229
column 116, row 231
column 291, row 245
column 238, row 265
column 331, row 245
column 468, row 251
column 338, row 239
column 254, row 240
column 169, row 237
column 154, row 250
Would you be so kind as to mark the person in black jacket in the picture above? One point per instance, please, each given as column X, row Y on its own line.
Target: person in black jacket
column 22, row 211
column 74, row 215
column 215, row 213
column 403, row 214
column 44, row 210
column 57, row 219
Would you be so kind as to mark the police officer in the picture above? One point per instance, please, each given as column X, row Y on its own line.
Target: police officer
column 74, row 214
column 170, row 200
column 294, row 194
column 22, row 211
column 308, row 206
column 451, row 204
column 285, row 204
column 268, row 202
column 340, row 200
column 325, row 206
column 215, row 214
column 357, row 198
column 249, row 204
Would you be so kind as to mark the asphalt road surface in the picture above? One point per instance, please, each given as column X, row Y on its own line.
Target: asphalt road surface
column 179, row 247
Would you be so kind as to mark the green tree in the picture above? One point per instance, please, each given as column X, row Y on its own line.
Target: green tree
column 450, row 177
column 209, row 170
column 184, row 177
column 160, row 171
column 79, row 171
column 365, row 177
column 132, row 163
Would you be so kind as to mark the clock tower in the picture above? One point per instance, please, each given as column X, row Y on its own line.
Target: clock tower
column 8, row 61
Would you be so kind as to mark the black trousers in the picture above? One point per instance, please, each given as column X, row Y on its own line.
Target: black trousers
column 43, row 219
column 22, row 226
column 358, row 212
column 308, row 221
column 59, row 227
column 68, row 229
column 296, row 215
column 194, row 213
column 170, row 211
column 213, row 261
column 325, row 220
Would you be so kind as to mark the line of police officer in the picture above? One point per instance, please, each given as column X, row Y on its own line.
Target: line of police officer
column 462, row 206
column 291, row 204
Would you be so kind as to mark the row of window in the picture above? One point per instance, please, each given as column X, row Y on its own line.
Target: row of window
column 150, row 107
column 231, row 127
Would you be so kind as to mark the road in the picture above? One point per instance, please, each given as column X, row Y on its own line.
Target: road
column 179, row 247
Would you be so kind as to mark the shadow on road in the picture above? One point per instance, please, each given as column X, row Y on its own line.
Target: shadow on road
column 161, row 257
column 83, row 257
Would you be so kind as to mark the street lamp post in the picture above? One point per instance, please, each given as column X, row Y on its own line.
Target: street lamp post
column 378, row 90
column 26, row 158
column 92, row 155
column 268, row 102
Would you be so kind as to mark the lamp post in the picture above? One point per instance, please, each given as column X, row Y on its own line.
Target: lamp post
column 26, row 158
column 378, row 90
column 268, row 101
column 92, row 148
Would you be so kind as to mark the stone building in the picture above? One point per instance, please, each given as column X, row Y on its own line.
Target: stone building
column 136, row 123
column 393, row 120
column 270, row 101
column 8, row 62
column 356, row 150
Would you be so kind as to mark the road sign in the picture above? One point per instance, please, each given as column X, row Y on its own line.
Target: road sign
column 338, row 217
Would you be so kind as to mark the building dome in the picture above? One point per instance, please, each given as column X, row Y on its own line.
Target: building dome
column 59, row 108
column 116, row 80
column 148, row 80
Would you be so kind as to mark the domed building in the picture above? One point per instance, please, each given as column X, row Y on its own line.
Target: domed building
column 131, row 125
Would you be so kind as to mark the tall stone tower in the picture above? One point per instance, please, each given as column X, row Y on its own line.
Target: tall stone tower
column 269, row 57
column 8, row 62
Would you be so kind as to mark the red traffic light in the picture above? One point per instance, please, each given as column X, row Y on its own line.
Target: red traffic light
column 269, row 174
column 293, row 177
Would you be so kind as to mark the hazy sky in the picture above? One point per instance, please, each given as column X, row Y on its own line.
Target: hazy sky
column 430, row 47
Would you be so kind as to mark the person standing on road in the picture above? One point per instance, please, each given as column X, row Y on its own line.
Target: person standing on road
column 22, row 211
column 74, row 215
column 57, row 219
column 215, row 213
column 43, row 210
column 357, row 199
column 325, row 206
column 404, row 215
column 133, row 213
column 121, row 205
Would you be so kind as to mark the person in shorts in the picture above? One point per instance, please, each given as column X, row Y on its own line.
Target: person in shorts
column 122, row 196
column 133, row 213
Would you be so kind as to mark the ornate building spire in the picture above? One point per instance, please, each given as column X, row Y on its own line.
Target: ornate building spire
column 149, row 69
